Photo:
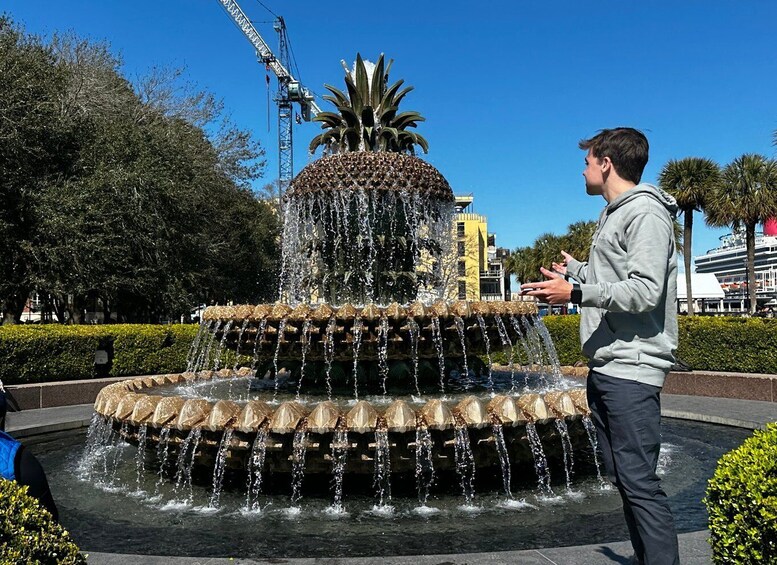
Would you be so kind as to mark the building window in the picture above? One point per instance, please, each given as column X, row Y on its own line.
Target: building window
column 462, row 249
column 462, row 290
column 462, row 269
column 459, row 229
column 489, row 287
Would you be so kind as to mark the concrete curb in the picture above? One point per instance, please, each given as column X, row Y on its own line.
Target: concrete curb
column 694, row 550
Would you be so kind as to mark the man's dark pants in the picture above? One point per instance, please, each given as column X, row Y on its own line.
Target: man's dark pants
column 627, row 415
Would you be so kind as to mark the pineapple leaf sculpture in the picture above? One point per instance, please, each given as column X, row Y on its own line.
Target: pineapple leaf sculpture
column 368, row 117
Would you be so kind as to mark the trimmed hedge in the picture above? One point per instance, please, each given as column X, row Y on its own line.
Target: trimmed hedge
column 741, row 345
column 565, row 333
column 742, row 502
column 46, row 353
column 28, row 533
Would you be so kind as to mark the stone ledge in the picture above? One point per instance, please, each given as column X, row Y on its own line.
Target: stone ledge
column 54, row 394
column 717, row 384
column 742, row 386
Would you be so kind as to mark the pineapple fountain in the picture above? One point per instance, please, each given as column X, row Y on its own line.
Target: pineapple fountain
column 365, row 365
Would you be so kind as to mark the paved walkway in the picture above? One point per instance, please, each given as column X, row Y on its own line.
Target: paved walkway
column 694, row 549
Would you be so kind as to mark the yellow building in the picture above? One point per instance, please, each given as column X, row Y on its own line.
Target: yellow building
column 480, row 264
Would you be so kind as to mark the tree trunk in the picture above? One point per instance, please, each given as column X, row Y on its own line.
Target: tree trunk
column 13, row 306
column 59, row 303
column 687, row 231
column 77, row 310
column 751, row 283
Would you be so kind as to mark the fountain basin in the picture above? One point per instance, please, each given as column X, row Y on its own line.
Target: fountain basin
column 107, row 513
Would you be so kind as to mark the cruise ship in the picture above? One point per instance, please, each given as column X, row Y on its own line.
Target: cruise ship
column 728, row 263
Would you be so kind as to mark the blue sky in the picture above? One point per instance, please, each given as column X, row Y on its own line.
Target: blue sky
column 508, row 88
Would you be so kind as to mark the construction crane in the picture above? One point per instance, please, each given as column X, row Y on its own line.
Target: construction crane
column 289, row 89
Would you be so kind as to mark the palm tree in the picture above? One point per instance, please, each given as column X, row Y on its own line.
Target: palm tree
column 525, row 262
column 521, row 264
column 577, row 240
column 689, row 180
column 746, row 197
column 367, row 118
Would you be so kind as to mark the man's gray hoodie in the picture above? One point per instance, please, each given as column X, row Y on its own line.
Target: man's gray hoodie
column 628, row 325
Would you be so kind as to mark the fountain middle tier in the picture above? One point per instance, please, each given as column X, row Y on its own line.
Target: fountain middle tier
column 133, row 410
column 444, row 329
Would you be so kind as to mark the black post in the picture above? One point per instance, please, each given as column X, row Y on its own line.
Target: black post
column 103, row 358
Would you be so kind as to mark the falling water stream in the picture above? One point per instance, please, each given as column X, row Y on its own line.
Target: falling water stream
column 339, row 457
column 465, row 464
column 255, row 468
column 220, row 467
column 382, row 468
column 424, row 465
column 299, row 449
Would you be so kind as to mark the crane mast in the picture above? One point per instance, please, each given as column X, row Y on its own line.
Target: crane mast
column 289, row 89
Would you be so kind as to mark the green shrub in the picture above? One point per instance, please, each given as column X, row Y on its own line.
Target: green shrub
column 565, row 334
column 744, row 345
column 28, row 533
column 46, row 353
column 149, row 350
column 58, row 353
column 741, row 345
column 742, row 502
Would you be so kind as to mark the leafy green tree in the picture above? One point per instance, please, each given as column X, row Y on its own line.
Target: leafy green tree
column 117, row 193
column 689, row 180
column 746, row 197
column 36, row 147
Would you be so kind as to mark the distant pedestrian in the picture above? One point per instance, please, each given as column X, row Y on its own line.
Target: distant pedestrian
column 628, row 329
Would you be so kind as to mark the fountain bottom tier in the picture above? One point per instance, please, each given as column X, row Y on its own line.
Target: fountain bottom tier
column 259, row 437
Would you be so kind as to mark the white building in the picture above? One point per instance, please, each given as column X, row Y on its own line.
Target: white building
column 728, row 263
column 706, row 291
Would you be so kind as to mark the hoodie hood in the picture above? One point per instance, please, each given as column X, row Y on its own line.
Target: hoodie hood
column 664, row 198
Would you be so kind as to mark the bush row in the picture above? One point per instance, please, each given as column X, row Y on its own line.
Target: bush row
column 742, row 502
column 45, row 353
column 28, row 533
column 51, row 353
column 743, row 345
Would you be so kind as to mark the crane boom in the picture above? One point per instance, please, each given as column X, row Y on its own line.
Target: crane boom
column 263, row 50
column 289, row 89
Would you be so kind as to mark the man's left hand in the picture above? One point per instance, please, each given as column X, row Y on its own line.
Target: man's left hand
column 555, row 290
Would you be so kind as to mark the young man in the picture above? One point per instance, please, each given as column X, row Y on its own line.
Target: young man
column 628, row 328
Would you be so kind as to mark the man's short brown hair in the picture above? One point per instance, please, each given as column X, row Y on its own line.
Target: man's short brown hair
column 627, row 148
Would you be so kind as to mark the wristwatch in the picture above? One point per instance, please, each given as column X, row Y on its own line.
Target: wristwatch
column 577, row 294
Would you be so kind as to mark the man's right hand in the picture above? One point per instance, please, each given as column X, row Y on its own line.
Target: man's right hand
column 561, row 268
